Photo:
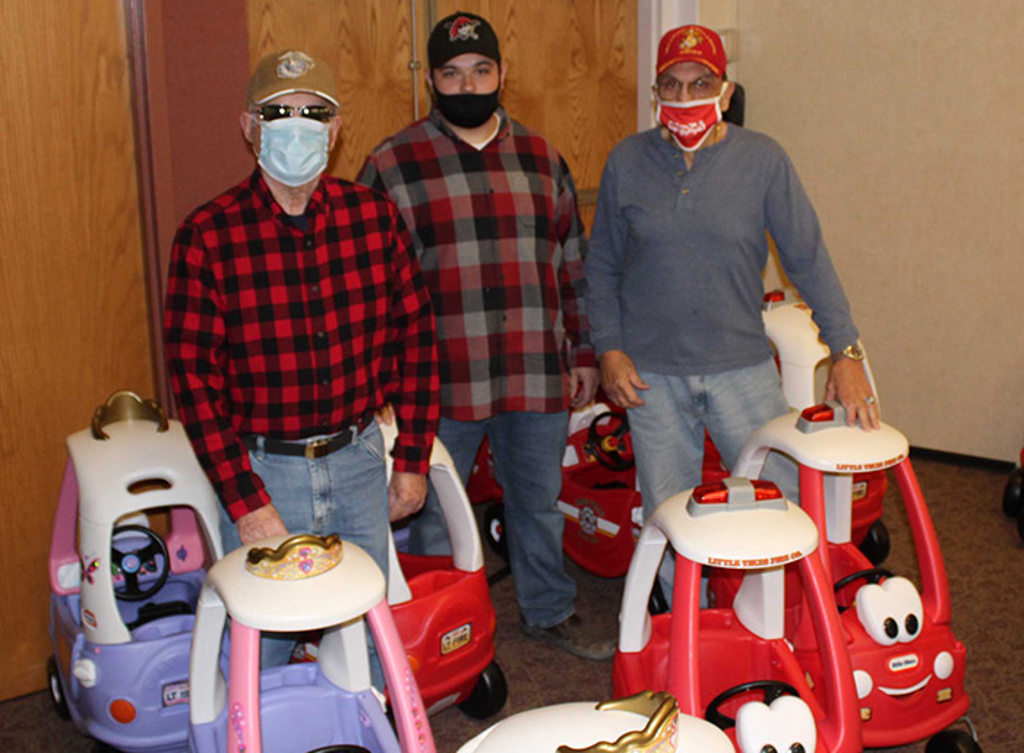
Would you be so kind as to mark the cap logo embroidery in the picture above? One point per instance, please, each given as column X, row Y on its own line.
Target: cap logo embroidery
column 294, row 64
column 463, row 29
column 692, row 39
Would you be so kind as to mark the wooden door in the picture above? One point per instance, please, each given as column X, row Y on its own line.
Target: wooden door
column 72, row 284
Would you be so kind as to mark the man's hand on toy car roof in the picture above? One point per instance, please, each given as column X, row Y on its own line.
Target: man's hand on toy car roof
column 406, row 494
column 848, row 383
column 620, row 379
column 260, row 524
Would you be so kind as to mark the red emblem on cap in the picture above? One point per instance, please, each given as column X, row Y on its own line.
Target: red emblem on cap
column 463, row 28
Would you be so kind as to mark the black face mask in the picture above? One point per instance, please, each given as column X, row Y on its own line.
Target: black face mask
column 467, row 110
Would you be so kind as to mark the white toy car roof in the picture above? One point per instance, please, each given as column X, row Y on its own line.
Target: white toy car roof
column 818, row 437
column 734, row 530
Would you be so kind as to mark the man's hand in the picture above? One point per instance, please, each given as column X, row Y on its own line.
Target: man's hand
column 620, row 380
column 582, row 385
column 260, row 524
column 406, row 494
column 386, row 414
column 848, row 383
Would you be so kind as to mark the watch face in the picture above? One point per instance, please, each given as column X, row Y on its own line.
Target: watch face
column 854, row 352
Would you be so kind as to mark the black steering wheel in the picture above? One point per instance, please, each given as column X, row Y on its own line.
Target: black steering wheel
column 772, row 690
column 131, row 563
column 341, row 749
column 871, row 575
column 607, row 446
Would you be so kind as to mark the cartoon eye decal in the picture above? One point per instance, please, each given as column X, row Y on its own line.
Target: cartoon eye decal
column 785, row 726
column 891, row 612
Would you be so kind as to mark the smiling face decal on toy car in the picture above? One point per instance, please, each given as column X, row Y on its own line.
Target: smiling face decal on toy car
column 891, row 613
column 786, row 726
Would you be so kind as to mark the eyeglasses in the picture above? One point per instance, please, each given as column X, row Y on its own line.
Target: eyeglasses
column 320, row 113
column 671, row 88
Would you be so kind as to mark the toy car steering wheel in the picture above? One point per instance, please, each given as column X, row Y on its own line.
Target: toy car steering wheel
column 151, row 558
column 772, row 690
column 871, row 575
column 607, row 448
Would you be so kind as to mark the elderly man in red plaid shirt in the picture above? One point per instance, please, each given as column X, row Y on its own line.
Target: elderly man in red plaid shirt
column 492, row 210
column 295, row 310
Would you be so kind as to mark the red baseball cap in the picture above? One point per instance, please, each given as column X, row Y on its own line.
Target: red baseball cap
column 698, row 44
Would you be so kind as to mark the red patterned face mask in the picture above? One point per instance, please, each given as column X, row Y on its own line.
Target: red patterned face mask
column 690, row 122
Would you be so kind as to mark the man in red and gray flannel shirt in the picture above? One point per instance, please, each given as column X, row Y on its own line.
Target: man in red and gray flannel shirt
column 295, row 310
column 492, row 210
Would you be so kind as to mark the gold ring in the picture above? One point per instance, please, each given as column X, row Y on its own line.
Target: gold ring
column 870, row 400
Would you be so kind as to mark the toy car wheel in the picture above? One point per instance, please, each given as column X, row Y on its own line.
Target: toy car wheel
column 53, row 682
column 494, row 529
column 1013, row 494
column 489, row 694
column 876, row 544
column 952, row 741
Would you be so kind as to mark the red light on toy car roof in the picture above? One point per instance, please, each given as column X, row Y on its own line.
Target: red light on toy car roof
column 122, row 711
column 765, row 490
column 774, row 296
column 711, row 494
column 819, row 413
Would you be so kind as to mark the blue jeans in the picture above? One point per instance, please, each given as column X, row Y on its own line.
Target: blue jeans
column 344, row 493
column 527, row 448
column 668, row 430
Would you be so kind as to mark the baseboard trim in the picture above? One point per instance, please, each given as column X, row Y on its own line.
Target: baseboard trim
column 956, row 458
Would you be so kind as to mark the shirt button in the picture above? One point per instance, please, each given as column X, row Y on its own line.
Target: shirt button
column 314, row 288
column 321, row 335
column 308, row 242
column 686, row 191
column 680, row 173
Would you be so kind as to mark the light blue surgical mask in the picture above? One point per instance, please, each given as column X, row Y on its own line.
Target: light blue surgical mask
column 294, row 151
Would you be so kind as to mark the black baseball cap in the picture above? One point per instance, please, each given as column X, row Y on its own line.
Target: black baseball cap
column 459, row 33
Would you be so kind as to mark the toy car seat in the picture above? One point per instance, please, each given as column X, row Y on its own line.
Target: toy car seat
column 297, row 584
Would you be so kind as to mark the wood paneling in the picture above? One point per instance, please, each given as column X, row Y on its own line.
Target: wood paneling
column 72, row 292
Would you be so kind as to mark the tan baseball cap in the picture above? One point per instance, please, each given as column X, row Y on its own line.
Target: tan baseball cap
column 291, row 71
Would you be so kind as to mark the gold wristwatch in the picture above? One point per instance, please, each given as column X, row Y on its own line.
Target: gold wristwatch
column 853, row 352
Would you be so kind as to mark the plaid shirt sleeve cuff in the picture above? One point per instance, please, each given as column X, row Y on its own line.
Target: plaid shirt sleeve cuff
column 583, row 357
column 412, row 458
column 238, row 503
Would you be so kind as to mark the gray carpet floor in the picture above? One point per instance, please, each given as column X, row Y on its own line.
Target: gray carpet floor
column 985, row 562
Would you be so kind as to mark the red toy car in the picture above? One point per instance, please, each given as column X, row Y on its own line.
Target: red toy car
column 907, row 665
column 442, row 606
column 712, row 659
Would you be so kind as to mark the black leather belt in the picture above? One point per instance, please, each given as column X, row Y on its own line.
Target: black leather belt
column 314, row 448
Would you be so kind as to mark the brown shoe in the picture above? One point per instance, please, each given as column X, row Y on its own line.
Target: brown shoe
column 569, row 634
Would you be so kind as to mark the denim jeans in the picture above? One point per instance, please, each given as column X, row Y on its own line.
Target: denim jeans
column 668, row 430
column 527, row 448
column 344, row 493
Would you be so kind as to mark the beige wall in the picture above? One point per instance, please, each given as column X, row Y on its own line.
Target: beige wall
column 902, row 119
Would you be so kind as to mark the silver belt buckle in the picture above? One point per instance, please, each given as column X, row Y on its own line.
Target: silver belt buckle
column 313, row 448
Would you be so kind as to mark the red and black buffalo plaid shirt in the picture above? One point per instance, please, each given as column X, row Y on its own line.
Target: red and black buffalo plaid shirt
column 288, row 333
column 499, row 240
